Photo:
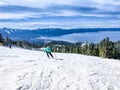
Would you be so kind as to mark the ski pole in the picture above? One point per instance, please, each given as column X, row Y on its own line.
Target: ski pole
column 54, row 55
column 42, row 54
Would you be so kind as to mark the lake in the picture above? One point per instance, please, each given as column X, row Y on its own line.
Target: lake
column 94, row 37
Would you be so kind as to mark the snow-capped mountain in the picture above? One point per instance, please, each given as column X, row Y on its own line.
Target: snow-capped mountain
column 22, row 69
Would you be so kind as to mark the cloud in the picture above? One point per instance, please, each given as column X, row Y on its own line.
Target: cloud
column 39, row 3
column 53, row 8
column 15, row 16
column 58, row 24
column 74, row 8
column 76, row 12
column 103, row 2
column 2, row 3
column 17, row 9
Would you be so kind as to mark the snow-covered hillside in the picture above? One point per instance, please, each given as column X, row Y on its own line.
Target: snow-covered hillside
column 26, row 70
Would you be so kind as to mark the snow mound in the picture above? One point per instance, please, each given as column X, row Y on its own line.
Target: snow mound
column 22, row 69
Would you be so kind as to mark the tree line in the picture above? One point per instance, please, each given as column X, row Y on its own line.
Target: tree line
column 105, row 48
column 19, row 43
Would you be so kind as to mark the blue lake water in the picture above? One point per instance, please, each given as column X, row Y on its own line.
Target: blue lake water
column 94, row 37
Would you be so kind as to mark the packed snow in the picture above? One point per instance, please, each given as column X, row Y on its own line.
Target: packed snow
column 22, row 69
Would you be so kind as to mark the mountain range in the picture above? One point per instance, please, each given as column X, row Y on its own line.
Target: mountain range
column 36, row 35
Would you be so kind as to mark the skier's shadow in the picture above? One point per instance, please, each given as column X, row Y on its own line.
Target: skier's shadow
column 59, row 59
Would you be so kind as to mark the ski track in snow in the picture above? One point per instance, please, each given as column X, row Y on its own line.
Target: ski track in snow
column 22, row 69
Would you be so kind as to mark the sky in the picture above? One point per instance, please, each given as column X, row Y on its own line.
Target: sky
column 59, row 13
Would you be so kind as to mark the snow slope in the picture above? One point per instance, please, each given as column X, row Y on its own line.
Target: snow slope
column 22, row 69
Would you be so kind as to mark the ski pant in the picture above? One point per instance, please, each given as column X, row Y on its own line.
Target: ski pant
column 49, row 54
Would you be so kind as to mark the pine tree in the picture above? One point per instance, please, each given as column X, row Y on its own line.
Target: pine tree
column 1, row 39
column 8, row 41
column 85, row 49
column 91, row 49
column 116, row 50
column 106, row 48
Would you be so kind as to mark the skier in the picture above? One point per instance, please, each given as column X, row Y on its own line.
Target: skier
column 10, row 46
column 48, row 51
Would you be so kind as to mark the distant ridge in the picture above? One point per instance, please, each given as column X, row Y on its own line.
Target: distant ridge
column 35, row 35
